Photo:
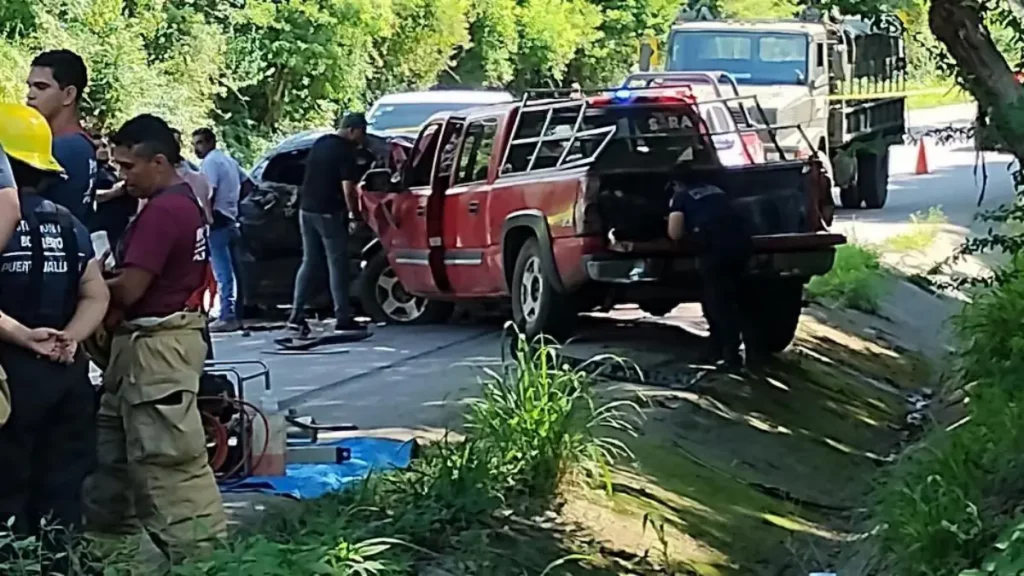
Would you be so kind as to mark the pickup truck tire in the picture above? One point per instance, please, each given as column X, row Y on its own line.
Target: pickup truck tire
column 873, row 178
column 537, row 308
column 773, row 314
column 382, row 296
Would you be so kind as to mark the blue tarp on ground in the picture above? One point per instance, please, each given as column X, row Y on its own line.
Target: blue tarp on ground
column 305, row 481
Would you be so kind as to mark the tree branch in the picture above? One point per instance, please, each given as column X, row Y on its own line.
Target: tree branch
column 959, row 25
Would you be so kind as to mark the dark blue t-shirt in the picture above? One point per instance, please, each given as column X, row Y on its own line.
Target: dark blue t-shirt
column 701, row 206
column 77, row 156
column 57, row 296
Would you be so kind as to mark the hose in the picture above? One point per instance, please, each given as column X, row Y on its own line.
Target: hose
column 221, row 437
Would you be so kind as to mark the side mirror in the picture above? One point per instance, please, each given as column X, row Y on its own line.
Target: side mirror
column 838, row 62
column 379, row 180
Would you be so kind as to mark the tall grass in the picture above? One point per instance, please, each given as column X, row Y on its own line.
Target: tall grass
column 943, row 505
column 537, row 424
column 540, row 417
column 855, row 281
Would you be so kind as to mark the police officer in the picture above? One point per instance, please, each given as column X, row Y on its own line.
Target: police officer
column 52, row 294
column 702, row 213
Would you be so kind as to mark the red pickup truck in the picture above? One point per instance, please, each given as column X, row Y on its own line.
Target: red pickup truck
column 517, row 201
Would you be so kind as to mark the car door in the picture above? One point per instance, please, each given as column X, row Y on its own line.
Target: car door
column 465, row 234
column 402, row 217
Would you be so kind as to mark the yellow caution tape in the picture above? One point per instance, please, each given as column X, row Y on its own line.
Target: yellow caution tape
column 884, row 95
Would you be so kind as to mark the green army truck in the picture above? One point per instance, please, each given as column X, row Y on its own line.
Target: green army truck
column 839, row 79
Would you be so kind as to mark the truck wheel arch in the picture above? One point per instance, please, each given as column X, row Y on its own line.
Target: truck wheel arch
column 515, row 231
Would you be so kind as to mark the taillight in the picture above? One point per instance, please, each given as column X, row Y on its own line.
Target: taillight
column 753, row 148
column 586, row 214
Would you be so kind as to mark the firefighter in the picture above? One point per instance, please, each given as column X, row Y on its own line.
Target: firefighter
column 52, row 297
column 702, row 213
column 153, row 471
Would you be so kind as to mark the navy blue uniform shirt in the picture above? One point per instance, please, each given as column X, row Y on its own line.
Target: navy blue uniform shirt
column 702, row 206
column 57, row 296
column 77, row 156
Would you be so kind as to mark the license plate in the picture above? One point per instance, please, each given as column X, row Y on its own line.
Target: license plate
column 660, row 123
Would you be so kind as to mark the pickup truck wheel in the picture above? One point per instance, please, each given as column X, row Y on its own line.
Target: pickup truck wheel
column 873, row 178
column 536, row 307
column 773, row 314
column 382, row 296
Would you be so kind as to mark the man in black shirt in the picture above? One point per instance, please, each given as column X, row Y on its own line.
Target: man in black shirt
column 114, row 208
column 327, row 203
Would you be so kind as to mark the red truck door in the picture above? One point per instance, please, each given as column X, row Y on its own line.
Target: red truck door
column 465, row 234
column 406, row 238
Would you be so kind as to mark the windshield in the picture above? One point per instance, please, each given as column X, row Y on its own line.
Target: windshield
column 759, row 58
column 409, row 116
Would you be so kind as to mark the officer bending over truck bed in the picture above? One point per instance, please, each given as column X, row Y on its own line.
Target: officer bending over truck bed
column 701, row 213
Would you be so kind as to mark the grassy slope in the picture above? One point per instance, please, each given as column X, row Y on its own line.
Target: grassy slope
column 762, row 476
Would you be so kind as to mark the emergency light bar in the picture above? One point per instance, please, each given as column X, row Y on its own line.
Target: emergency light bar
column 623, row 96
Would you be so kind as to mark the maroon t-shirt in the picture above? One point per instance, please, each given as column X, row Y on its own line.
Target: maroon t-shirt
column 167, row 239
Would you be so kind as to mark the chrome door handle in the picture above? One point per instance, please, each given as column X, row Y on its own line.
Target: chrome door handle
column 421, row 210
column 474, row 206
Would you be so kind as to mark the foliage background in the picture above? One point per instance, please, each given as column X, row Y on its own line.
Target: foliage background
column 259, row 69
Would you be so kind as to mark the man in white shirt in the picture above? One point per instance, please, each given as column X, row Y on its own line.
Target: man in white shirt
column 225, row 180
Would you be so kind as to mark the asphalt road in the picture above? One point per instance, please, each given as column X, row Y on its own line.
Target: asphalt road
column 420, row 378
column 953, row 184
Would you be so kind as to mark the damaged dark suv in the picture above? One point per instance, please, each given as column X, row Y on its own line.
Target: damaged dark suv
column 272, row 243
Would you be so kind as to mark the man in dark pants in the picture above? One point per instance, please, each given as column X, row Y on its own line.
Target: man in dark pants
column 327, row 204
column 703, row 214
column 52, row 297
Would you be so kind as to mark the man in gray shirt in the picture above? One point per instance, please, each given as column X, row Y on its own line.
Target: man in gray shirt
column 224, row 176
column 10, row 212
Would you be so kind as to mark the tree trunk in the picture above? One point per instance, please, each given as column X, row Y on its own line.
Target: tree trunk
column 959, row 26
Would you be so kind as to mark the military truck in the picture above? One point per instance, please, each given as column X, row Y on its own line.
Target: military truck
column 833, row 76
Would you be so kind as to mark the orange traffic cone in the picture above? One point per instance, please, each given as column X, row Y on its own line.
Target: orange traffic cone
column 922, row 158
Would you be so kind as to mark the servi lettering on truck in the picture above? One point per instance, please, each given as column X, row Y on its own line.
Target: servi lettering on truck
column 839, row 78
column 516, row 201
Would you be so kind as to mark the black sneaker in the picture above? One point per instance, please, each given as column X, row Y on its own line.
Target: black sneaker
column 348, row 325
column 297, row 328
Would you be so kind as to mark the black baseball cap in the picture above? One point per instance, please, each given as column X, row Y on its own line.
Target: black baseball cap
column 355, row 120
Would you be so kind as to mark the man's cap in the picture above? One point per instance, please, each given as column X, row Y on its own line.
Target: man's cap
column 26, row 137
column 354, row 120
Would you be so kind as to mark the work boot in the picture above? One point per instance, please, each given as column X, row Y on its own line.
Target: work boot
column 222, row 326
column 731, row 361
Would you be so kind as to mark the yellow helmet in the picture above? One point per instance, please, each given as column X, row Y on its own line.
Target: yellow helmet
column 25, row 136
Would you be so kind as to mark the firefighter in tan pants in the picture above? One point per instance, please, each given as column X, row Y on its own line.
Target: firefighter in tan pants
column 153, row 468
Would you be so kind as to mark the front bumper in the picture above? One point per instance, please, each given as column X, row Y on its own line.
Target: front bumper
column 627, row 269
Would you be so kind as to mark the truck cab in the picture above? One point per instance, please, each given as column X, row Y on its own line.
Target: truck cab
column 834, row 77
column 516, row 203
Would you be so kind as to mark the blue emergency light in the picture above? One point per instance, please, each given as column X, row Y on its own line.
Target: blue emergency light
column 623, row 94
